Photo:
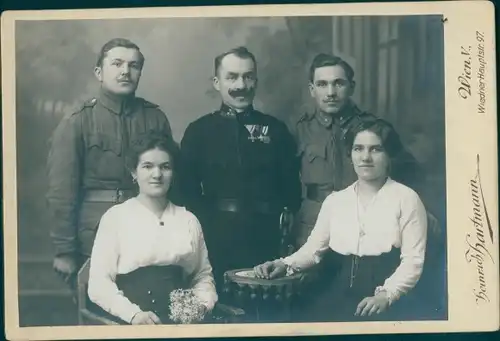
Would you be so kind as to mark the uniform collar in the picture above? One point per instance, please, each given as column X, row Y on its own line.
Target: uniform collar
column 324, row 120
column 117, row 104
column 347, row 112
column 227, row 111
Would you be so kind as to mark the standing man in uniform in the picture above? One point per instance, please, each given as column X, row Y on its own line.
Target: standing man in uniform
column 320, row 138
column 86, row 162
column 239, row 171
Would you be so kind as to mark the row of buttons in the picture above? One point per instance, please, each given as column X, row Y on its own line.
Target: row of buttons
column 149, row 293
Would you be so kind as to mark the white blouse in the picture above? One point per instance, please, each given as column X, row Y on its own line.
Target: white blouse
column 396, row 217
column 131, row 236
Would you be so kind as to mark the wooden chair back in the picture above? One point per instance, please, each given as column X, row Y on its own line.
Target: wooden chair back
column 85, row 316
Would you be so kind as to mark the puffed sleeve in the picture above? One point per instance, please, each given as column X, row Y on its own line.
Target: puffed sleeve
column 318, row 241
column 413, row 224
column 102, row 288
column 202, row 280
column 64, row 177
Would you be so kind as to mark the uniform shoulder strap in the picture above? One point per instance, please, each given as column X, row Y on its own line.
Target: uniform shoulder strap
column 148, row 104
column 90, row 103
column 299, row 118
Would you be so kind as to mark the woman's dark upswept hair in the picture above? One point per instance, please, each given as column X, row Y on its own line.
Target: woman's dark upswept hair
column 149, row 141
column 383, row 129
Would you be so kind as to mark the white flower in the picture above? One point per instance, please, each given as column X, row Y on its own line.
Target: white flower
column 185, row 307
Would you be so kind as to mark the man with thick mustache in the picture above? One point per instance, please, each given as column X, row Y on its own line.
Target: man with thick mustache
column 86, row 163
column 319, row 136
column 239, row 171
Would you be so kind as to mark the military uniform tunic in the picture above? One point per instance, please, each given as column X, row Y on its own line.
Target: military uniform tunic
column 325, row 167
column 86, row 165
column 239, row 171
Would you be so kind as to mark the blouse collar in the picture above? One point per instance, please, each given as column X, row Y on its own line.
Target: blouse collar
column 353, row 186
column 168, row 209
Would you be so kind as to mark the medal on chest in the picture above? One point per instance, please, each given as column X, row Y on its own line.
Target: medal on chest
column 258, row 133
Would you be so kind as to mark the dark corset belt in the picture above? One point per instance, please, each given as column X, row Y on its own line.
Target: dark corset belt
column 318, row 192
column 150, row 287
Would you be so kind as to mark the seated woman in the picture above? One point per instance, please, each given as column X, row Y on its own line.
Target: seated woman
column 373, row 234
column 147, row 246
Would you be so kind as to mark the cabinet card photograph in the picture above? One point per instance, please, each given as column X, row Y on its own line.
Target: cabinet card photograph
column 234, row 171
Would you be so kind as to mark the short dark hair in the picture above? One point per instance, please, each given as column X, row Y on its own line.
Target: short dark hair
column 117, row 42
column 241, row 52
column 384, row 130
column 149, row 141
column 324, row 59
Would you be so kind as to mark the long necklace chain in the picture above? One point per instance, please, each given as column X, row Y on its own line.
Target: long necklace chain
column 362, row 233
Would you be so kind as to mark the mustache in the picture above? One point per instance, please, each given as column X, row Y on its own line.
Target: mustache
column 241, row 92
column 331, row 99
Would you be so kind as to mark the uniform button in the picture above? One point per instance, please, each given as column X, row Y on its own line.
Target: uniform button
column 153, row 301
column 149, row 292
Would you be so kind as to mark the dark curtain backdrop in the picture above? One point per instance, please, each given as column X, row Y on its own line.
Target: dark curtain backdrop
column 399, row 72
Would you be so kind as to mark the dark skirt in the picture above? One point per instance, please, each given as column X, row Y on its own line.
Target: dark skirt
column 344, row 281
column 149, row 287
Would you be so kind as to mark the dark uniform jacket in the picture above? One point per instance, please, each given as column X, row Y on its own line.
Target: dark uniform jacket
column 238, row 173
column 248, row 157
column 325, row 166
column 88, row 153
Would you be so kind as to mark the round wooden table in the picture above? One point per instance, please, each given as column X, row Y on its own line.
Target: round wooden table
column 264, row 300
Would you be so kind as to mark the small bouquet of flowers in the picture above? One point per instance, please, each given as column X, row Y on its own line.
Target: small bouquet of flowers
column 186, row 307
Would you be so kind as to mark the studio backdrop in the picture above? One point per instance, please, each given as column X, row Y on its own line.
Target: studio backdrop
column 399, row 74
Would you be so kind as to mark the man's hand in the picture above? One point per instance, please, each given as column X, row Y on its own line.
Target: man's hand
column 65, row 266
column 372, row 305
column 145, row 317
column 270, row 270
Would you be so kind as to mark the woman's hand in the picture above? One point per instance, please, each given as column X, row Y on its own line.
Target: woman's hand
column 270, row 270
column 145, row 317
column 372, row 305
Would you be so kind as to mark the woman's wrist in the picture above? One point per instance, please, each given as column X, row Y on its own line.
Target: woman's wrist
column 134, row 315
column 383, row 292
column 290, row 269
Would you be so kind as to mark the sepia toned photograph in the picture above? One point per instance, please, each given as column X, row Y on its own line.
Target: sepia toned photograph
column 248, row 169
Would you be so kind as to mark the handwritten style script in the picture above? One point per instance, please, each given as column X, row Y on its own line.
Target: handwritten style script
column 477, row 243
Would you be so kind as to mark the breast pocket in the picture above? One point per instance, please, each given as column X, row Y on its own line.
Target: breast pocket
column 313, row 151
column 104, row 156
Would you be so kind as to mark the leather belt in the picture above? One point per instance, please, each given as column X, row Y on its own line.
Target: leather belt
column 108, row 195
column 234, row 205
column 318, row 192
